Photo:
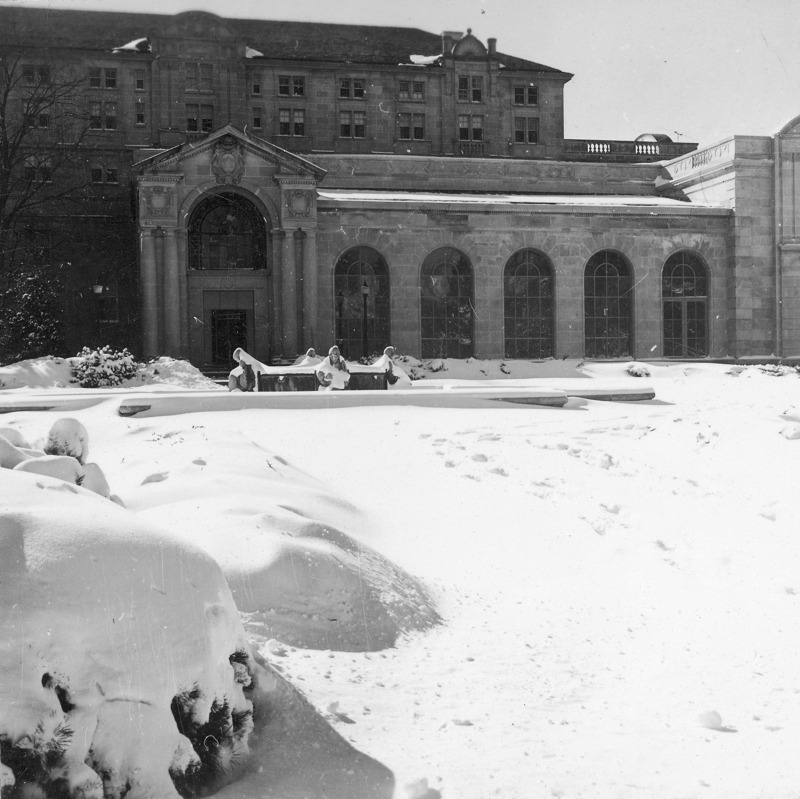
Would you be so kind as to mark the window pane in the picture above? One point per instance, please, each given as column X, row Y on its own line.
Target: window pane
column 283, row 84
column 344, row 87
column 111, row 78
column 299, row 87
column 463, row 88
column 519, row 95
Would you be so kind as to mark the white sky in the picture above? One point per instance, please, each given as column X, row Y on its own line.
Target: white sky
column 698, row 70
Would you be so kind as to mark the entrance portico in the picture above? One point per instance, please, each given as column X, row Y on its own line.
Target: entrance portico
column 227, row 231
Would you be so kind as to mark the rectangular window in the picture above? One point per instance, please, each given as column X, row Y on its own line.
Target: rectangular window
column 359, row 89
column 477, row 90
column 526, row 130
column 359, row 125
column 470, row 89
column 111, row 78
column 192, row 117
column 345, row 124
column 291, row 122
column 298, row 87
column 418, row 90
column 299, row 122
column 255, row 86
column 206, row 118
column 470, row 127
column 352, row 87
column 95, row 78
column 110, row 116
column 139, row 110
column 138, row 80
column 96, row 174
column 111, row 175
column 526, row 95
column 43, row 121
column 95, row 116
column 256, row 117
column 284, row 86
column 199, row 77
column 28, row 74
column 404, row 126
column 344, row 87
column 411, row 126
column 403, row 90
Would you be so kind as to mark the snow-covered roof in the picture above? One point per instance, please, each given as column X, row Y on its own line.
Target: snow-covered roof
column 136, row 46
column 250, row 52
column 442, row 198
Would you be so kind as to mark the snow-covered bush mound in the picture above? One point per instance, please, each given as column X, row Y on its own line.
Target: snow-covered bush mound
column 124, row 667
column 291, row 549
column 50, row 372
column 103, row 367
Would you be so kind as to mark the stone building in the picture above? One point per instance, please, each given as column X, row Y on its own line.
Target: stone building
column 281, row 185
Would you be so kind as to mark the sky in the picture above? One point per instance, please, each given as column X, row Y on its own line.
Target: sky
column 697, row 70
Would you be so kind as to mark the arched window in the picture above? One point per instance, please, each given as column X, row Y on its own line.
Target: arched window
column 446, row 310
column 361, row 290
column 528, row 305
column 608, row 303
column 226, row 231
column 684, row 291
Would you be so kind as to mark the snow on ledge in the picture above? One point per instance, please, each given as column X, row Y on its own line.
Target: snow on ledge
column 251, row 52
column 433, row 198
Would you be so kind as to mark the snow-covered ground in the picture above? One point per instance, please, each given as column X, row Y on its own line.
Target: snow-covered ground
column 600, row 600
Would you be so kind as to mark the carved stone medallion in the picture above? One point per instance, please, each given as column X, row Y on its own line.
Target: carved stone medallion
column 298, row 202
column 227, row 163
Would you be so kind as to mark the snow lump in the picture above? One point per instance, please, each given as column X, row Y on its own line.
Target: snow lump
column 124, row 667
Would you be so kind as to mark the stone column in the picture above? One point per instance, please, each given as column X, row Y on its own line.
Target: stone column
column 310, row 290
column 172, row 295
column 300, row 277
column 289, row 292
column 276, row 293
column 149, row 297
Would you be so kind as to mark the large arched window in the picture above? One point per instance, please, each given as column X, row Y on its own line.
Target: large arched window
column 528, row 305
column 446, row 307
column 684, row 292
column 226, row 231
column 361, row 289
column 607, row 306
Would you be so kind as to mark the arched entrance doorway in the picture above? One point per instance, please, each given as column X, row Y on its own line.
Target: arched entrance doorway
column 361, row 290
column 227, row 268
column 684, row 292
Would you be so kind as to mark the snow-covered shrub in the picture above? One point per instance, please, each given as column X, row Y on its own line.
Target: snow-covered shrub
column 638, row 370
column 103, row 367
column 124, row 667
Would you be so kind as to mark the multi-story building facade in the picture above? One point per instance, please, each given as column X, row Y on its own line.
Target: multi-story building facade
column 280, row 185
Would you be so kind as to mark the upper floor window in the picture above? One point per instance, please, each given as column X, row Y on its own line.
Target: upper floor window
column 139, row 112
column 199, row 118
column 199, row 77
column 291, row 122
column 103, row 116
column 352, row 87
column 255, row 85
column 102, row 78
column 35, row 73
column 257, row 117
column 470, row 127
column 291, row 86
column 526, row 130
column 470, row 88
column 411, row 126
column 38, row 168
column 138, row 80
column 411, row 90
column 352, row 124
column 526, row 95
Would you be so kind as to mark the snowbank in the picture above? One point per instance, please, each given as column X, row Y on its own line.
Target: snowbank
column 120, row 646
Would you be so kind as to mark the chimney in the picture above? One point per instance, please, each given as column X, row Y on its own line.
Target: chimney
column 449, row 39
column 492, row 46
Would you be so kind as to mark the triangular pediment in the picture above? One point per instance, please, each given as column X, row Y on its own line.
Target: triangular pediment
column 226, row 148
